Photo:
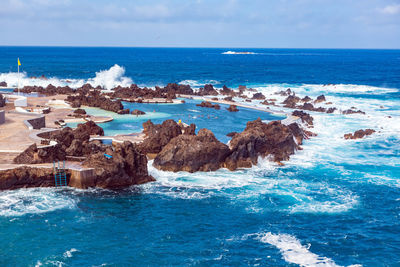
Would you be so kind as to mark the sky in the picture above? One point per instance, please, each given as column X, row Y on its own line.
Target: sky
column 202, row 23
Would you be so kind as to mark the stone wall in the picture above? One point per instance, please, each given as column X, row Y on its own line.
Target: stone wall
column 37, row 123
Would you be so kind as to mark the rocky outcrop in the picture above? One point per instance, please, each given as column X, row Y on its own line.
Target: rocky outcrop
column 206, row 104
column 23, row 177
column 123, row 111
column 227, row 91
column 90, row 128
column 258, row 96
column 138, row 112
column 320, row 99
column 352, row 111
column 49, row 90
column 291, row 101
column 232, row 108
column 208, row 89
column 158, row 135
column 305, row 117
column 274, row 140
column 306, row 99
column 80, row 111
column 69, row 143
column 2, row 101
column 126, row 167
column 359, row 134
column 94, row 99
column 35, row 155
column 191, row 153
column 189, row 130
column 3, row 84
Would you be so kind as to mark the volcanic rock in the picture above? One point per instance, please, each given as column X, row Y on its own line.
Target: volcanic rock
column 23, row 177
column 306, row 99
column 207, row 90
column 232, row 108
column 3, row 84
column 123, row 111
column 2, row 101
column 138, row 112
column 258, row 96
column 331, row 110
column 126, row 167
column 80, row 111
column 291, row 101
column 320, row 99
column 191, row 153
column 359, row 134
column 352, row 111
column 206, row 104
column 260, row 139
column 227, row 91
column 35, row 155
column 305, row 117
column 158, row 135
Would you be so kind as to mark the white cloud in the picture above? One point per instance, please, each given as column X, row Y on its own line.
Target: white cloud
column 391, row 9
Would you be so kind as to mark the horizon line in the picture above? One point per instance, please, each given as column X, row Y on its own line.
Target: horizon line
column 203, row 47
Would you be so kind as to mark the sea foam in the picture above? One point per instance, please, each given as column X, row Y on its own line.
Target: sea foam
column 33, row 201
column 293, row 251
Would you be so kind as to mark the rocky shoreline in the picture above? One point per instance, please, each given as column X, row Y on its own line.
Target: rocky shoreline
column 173, row 146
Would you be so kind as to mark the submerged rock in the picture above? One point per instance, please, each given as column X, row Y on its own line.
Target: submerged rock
column 191, row 153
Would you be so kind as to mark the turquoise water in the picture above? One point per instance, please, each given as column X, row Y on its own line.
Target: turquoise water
column 335, row 203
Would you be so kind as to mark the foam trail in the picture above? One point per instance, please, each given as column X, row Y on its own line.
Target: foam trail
column 33, row 201
column 107, row 79
column 294, row 252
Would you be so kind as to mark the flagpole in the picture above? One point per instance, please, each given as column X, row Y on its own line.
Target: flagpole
column 18, row 75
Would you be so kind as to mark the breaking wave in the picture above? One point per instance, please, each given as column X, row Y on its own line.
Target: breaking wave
column 195, row 83
column 238, row 53
column 107, row 79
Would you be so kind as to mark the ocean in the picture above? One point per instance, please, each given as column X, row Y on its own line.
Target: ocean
column 334, row 203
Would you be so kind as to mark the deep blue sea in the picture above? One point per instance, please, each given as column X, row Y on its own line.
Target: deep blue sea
column 335, row 203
